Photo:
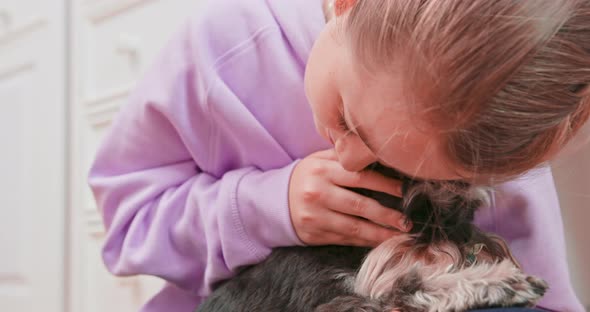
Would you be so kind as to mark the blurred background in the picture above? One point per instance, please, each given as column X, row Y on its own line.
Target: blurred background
column 66, row 66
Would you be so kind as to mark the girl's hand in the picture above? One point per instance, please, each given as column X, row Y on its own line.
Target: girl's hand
column 323, row 212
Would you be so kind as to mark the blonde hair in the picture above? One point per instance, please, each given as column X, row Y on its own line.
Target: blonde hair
column 505, row 83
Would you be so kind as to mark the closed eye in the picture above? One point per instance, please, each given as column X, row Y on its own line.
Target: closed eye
column 342, row 125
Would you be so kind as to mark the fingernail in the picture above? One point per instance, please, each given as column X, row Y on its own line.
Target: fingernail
column 405, row 225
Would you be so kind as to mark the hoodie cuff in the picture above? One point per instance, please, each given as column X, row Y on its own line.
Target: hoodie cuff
column 261, row 208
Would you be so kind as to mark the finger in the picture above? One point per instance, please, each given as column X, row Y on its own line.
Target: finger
column 366, row 179
column 329, row 154
column 354, row 204
column 357, row 230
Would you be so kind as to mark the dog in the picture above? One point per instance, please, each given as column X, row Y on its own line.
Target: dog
column 445, row 263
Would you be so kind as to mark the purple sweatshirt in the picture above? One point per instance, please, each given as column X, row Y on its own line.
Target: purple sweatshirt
column 192, row 179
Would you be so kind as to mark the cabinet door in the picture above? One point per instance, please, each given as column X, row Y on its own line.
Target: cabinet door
column 32, row 142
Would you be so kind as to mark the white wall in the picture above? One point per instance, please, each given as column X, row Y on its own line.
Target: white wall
column 572, row 179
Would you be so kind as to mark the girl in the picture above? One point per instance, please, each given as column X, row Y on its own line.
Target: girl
column 259, row 114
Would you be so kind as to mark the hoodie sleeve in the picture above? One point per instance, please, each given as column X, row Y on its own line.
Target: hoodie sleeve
column 165, row 214
column 526, row 213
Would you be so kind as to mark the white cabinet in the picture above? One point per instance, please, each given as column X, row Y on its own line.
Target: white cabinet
column 112, row 43
column 32, row 140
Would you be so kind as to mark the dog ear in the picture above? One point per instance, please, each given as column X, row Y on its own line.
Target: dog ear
column 500, row 242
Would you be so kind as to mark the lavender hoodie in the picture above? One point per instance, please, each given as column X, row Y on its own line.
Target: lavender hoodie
column 192, row 179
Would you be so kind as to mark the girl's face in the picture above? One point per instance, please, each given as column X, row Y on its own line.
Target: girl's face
column 366, row 116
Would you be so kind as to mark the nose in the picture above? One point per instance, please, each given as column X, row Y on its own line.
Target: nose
column 352, row 153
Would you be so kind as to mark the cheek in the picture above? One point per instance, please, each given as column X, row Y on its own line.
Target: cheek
column 311, row 92
column 320, row 83
column 322, row 97
column 311, row 87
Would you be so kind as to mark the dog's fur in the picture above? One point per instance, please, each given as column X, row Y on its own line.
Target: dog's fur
column 444, row 264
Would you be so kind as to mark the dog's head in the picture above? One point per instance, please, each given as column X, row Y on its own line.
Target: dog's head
column 438, row 210
column 444, row 249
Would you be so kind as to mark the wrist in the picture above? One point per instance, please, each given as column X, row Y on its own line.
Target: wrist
column 262, row 207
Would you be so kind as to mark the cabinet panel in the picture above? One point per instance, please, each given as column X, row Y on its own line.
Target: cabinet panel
column 120, row 42
column 32, row 136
